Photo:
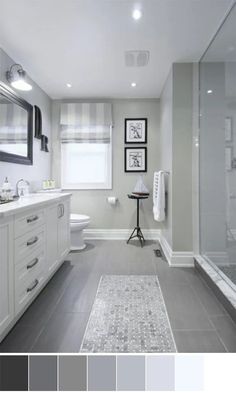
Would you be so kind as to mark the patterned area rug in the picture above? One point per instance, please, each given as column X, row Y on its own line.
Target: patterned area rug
column 128, row 315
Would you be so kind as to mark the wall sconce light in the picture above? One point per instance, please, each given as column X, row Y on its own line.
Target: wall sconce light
column 16, row 76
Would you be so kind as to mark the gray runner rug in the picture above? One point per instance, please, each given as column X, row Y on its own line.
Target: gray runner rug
column 128, row 315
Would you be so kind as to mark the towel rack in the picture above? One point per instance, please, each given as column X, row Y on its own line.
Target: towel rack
column 166, row 172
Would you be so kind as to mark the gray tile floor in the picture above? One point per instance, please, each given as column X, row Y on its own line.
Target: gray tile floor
column 56, row 321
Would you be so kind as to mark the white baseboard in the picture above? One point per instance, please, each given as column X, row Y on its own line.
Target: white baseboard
column 119, row 234
column 176, row 258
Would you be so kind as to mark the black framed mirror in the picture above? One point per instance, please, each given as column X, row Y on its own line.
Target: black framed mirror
column 16, row 128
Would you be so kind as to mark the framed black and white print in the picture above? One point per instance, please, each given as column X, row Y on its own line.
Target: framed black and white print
column 136, row 130
column 135, row 159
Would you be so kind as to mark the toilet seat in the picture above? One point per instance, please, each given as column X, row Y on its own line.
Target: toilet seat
column 79, row 218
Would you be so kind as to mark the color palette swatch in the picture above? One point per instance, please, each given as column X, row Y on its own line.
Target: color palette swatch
column 72, row 373
column 130, row 373
column 102, row 373
column 13, row 373
column 160, row 373
column 42, row 373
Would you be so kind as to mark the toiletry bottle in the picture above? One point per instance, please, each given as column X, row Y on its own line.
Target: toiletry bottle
column 45, row 184
column 6, row 190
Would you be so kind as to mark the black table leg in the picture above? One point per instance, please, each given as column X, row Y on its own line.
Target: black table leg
column 137, row 213
column 131, row 236
column 137, row 230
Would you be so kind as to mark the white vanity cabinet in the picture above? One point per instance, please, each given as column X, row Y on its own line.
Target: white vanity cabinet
column 6, row 273
column 34, row 241
column 58, row 237
column 52, row 238
column 29, row 255
column 63, row 229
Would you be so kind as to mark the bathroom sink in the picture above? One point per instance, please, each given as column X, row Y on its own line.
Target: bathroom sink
column 30, row 196
column 20, row 198
column 2, row 201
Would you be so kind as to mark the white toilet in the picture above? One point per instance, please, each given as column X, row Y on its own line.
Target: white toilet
column 78, row 222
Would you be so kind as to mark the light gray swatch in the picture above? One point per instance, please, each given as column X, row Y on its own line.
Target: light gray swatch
column 189, row 373
column 130, row 373
column 72, row 373
column 43, row 373
column 102, row 373
column 160, row 373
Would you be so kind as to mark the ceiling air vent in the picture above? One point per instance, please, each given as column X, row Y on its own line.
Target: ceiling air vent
column 136, row 58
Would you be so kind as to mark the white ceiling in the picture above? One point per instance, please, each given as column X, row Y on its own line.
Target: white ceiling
column 83, row 42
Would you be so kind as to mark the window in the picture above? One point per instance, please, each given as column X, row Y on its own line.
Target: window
column 86, row 165
column 86, row 146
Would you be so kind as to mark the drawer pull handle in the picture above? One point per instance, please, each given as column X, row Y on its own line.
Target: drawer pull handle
column 33, row 263
column 61, row 210
column 34, row 285
column 32, row 241
column 32, row 219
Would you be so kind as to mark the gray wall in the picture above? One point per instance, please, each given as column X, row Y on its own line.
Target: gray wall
column 93, row 202
column 182, row 157
column 176, row 147
column 40, row 169
column 166, row 116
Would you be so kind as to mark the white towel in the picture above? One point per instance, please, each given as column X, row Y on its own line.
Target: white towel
column 159, row 196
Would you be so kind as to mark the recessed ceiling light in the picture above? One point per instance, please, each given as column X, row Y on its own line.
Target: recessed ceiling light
column 137, row 14
column 209, row 91
column 69, row 85
column 133, row 84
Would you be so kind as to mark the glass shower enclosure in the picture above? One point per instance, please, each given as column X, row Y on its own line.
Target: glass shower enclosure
column 217, row 151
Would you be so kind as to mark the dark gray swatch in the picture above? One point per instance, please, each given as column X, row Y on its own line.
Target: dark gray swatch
column 43, row 373
column 101, row 373
column 13, row 373
column 130, row 373
column 72, row 373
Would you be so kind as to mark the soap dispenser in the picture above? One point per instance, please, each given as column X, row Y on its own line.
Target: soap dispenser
column 6, row 190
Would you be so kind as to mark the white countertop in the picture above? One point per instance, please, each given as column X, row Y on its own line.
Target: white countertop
column 27, row 202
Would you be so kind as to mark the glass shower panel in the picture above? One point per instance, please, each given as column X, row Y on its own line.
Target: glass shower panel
column 217, row 145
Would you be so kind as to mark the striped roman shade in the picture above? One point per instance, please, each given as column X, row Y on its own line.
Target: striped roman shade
column 13, row 124
column 85, row 122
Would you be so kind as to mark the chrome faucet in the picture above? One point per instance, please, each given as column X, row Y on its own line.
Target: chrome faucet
column 17, row 187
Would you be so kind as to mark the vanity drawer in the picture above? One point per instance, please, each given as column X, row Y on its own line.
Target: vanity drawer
column 27, row 268
column 28, row 222
column 28, row 287
column 27, row 244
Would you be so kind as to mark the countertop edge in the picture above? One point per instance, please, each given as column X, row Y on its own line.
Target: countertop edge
column 15, row 209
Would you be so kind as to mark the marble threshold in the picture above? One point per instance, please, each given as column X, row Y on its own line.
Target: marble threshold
column 223, row 287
